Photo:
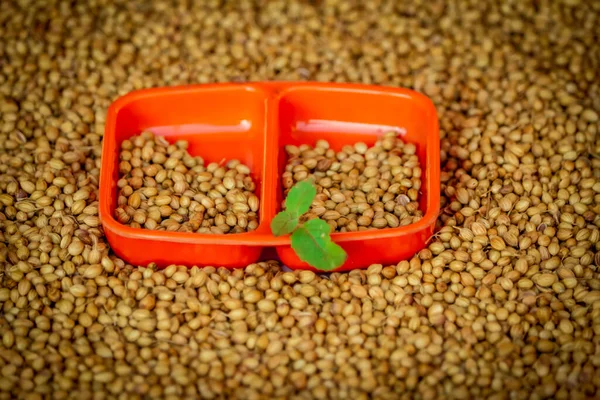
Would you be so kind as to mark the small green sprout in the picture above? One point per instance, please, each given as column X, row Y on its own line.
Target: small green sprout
column 311, row 240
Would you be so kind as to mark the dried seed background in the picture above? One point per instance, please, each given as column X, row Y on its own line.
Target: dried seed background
column 504, row 304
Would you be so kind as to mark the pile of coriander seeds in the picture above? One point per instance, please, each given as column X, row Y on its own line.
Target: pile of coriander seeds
column 162, row 187
column 360, row 187
column 504, row 303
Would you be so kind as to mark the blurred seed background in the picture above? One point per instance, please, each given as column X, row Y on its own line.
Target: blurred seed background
column 503, row 304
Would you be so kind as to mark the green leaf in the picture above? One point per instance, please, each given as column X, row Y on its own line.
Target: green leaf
column 284, row 223
column 313, row 245
column 300, row 197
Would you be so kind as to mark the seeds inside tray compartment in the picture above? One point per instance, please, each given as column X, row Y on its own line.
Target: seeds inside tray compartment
column 163, row 187
column 359, row 188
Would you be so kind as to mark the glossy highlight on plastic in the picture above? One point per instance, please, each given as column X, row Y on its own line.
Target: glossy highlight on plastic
column 253, row 122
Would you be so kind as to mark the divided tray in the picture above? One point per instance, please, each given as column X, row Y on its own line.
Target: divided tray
column 253, row 122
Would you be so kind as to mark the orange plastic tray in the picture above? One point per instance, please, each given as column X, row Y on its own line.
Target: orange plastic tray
column 253, row 122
